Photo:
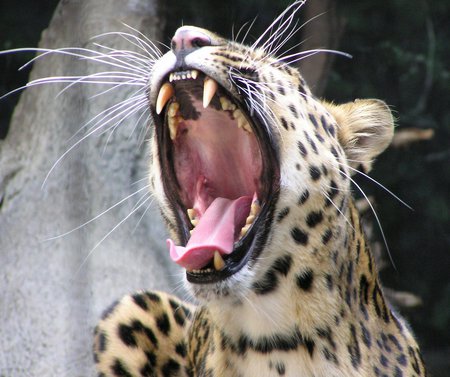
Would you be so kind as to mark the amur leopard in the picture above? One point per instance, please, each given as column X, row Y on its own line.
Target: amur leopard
column 252, row 174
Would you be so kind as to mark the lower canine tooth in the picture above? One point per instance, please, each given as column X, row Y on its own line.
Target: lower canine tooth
column 219, row 263
column 209, row 89
column 165, row 93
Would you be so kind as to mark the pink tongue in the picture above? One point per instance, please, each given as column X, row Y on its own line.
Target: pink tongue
column 215, row 231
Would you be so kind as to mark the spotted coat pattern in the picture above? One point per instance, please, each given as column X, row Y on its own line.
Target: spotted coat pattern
column 311, row 304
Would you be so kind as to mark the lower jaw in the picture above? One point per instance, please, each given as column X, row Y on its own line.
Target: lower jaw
column 232, row 281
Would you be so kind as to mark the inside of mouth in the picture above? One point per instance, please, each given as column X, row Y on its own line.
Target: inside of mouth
column 218, row 165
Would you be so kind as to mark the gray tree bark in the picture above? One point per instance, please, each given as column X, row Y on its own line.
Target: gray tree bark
column 53, row 291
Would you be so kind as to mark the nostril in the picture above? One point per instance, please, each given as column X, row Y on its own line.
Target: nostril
column 187, row 38
column 200, row 42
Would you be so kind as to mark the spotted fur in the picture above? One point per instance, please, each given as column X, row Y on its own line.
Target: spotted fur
column 311, row 303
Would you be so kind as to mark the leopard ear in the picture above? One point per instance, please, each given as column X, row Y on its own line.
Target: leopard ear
column 365, row 129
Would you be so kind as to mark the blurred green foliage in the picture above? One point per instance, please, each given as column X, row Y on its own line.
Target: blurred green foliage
column 401, row 55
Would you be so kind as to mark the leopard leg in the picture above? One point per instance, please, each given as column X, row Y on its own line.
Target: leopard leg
column 143, row 335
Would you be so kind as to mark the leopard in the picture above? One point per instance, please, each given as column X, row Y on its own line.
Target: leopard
column 253, row 177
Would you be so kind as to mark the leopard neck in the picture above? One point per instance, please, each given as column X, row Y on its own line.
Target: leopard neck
column 324, row 285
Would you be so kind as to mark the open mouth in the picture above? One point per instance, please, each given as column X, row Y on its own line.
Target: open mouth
column 220, row 174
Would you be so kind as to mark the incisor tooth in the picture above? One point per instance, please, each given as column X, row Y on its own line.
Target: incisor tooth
column 219, row 263
column 194, row 74
column 209, row 89
column 165, row 93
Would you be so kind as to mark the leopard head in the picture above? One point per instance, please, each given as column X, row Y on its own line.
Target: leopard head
column 249, row 168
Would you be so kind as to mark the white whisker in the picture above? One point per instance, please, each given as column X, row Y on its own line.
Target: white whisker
column 109, row 233
column 97, row 216
column 378, row 184
column 306, row 54
column 376, row 217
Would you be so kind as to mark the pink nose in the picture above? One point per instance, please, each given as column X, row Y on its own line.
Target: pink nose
column 187, row 38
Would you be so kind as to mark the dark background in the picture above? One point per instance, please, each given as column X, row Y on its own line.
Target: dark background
column 401, row 54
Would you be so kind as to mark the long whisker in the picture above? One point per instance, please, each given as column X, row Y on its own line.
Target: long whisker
column 294, row 31
column 135, row 108
column 291, row 10
column 376, row 218
column 138, row 96
column 378, row 184
column 109, row 233
column 250, row 25
column 94, row 129
column 143, row 214
column 98, row 216
column 338, row 209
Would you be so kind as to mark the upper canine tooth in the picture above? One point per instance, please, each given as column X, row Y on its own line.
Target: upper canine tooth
column 219, row 263
column 165, row 93
column 209, row 89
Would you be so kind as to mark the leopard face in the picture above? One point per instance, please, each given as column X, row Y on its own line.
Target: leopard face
column 252, row 172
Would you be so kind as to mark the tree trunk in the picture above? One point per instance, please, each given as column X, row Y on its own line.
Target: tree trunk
column 53, row 291
column 322, row 30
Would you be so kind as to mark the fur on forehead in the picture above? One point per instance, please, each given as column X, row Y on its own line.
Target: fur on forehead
column 365, row 129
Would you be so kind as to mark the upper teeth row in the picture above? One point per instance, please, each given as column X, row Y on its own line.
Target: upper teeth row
column 210, row 87
column 167, row 91
column 192, row 74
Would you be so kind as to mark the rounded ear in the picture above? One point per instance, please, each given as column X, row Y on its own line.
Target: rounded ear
column 365, row 129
